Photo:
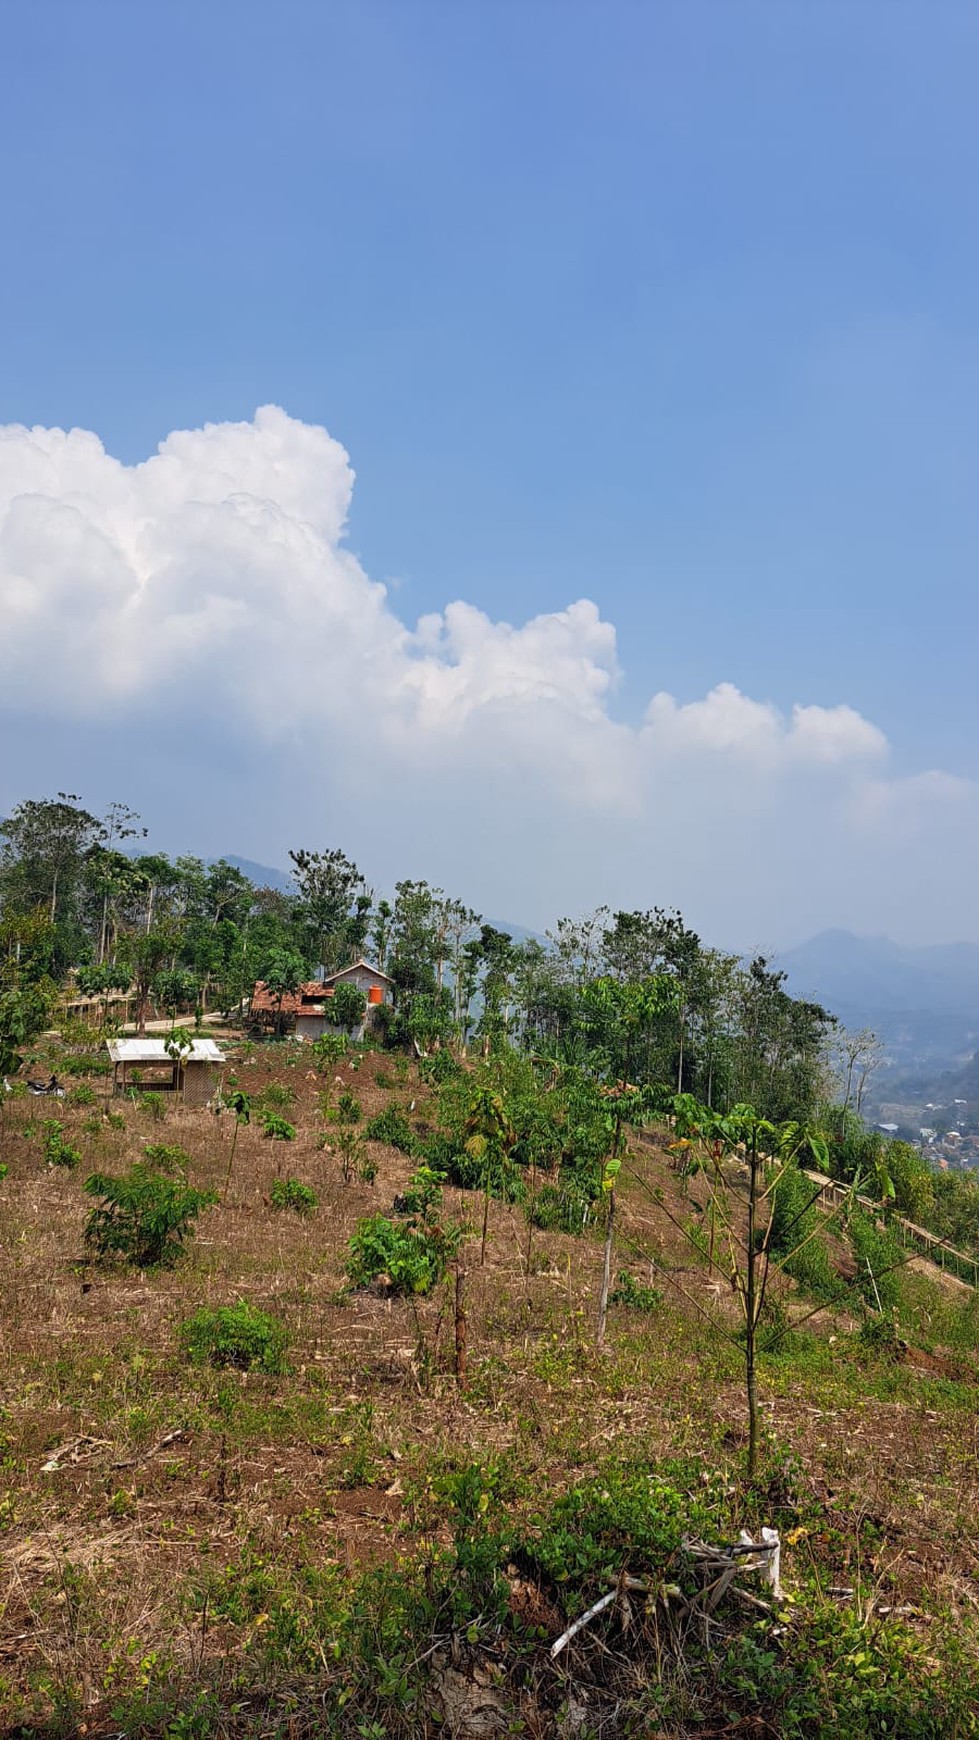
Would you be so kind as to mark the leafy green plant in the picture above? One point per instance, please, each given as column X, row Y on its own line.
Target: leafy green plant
column 58, row 1152
column 153, row 1103
column 348, row 1144
column 240, row 1104
column 878, row 1335
column 279, row 1129
column 275, row 1096
column 290, row 1193
column 82, row 1095
column 348, row 1109
column 141, row 1216
column 84, row 1063
column 423, row 1195
column 329, row 1048
column 629, row 1291
column 236, row 1335
column 879, row 1259
column 167, row 1157
column 560, row 1208
column 392, row 1126
column 347, row 1007
column 794, row 1234
column 413, row 1258
column 440, row 1067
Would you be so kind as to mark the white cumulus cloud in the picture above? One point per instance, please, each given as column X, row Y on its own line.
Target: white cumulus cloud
column 211, row 584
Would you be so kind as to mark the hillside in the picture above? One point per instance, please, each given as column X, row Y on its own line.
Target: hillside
column 357, row 1542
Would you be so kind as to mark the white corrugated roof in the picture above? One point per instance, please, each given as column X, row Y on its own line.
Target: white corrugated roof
column 147, row 1050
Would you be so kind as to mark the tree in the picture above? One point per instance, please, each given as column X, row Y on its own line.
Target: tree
column 173, row 989
column 145, row 956
column 857, row 1056
column 283, row 974
column 41, row 862
column 24, row 1013
column 745, row 1214
column 118, row 823
column 495, row 951
column 239, row 1103
column 413, row 942
column 489, row 1135
column 619, row 1016
column 778, row 1045
column 333, row 905
column 101, row 981
column 347, row 1007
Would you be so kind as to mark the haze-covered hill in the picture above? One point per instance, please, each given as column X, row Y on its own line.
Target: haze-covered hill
column 861, row 974
column 924, row 1005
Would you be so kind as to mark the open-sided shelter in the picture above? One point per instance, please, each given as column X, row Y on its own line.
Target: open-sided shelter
column 146, row 1064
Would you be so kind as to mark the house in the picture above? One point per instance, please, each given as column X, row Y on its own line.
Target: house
column 303, row 1011
column 145, row 1064
column 300, row 1011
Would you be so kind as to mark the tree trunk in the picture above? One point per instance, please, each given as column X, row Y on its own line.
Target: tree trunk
column 606, row 1271
column 486, row 1202
column 461, row 1327
column 751, row 1317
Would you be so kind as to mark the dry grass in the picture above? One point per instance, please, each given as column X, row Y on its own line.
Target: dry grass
column 186, row 1470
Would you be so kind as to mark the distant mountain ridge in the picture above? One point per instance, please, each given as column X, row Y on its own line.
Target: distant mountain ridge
column 263, row 875
column 847, row 971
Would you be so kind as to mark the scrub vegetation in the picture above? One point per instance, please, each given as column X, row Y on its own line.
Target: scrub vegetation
column 606, row 1265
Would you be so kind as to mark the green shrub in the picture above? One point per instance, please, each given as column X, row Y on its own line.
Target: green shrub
column 290, row 1193
column 279, row 1129
column 153, row 1103
column 628, row 1515
column 348, row 1109
column 879, row 1336
column 560, row 1208
column 629, row 1291
column 383, row 1078
column 85, row 1063
column 58, row 1152
column 879, row 1259
column 82, row 1095
column 275, row 1096
column 414, row 1258
column 347, row 1006
column 167, row 1157
column 329, row 1048
column 115, row 1120
column 392, row 1126
column 142, row 1217
column 423, row 1196
column 237, row 1335
column 439, row 1068
column 795, row 1238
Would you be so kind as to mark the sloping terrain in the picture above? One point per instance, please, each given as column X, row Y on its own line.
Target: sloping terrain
column 362, row 1545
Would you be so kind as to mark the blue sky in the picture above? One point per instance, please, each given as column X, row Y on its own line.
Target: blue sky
column 671, row 307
